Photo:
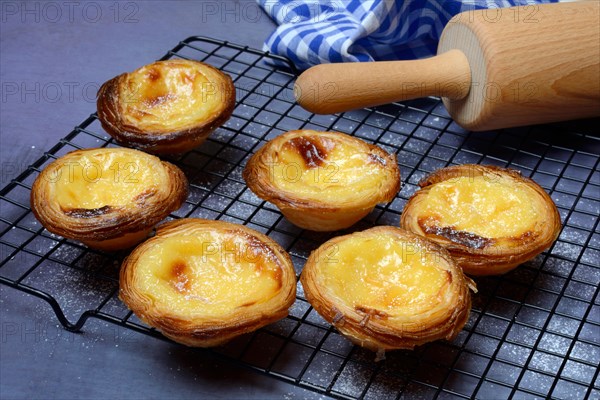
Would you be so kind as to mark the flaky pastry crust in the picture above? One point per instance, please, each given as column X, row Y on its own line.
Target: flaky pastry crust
column 166, row 107
column 386, row 288
column 490, row 219
column 107, row 198
column 202, row 283
column 322, row 181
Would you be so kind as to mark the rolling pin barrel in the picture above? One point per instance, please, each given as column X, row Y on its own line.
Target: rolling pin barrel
column 494, row 69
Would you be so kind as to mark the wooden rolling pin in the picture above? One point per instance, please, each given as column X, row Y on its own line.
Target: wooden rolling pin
column 495, row 68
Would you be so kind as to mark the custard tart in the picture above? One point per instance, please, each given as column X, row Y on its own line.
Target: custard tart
column 166, row 107
column 490, row 219
column 107, row 198
column 386, row 288
column 201, row 282
column 322, row 181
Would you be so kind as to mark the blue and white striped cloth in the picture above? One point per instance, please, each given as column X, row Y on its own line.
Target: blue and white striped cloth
column 314, row 32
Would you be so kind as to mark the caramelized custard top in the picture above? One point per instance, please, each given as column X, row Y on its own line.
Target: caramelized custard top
column 473, row 211
column 93, row 182
column 170, row 95
column 209, row 272
column 382, row 276
column 320, row 166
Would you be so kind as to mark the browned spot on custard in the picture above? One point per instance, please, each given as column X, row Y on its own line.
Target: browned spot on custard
column 273, row 273
column 468, row 239
column 179, row 278
column 255, row 251
column 313, row 151
column 248, row 304
column 186, row 78
column 87, row 212
column 276, row 274
column 158, row 100
column 449, row 276
column 377, row 159
column 153, row 74
column 256, row 248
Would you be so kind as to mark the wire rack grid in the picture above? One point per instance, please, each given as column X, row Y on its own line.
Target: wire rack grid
column 534, row 332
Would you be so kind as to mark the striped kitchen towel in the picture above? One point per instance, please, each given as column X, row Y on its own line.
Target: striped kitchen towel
column 314, row 32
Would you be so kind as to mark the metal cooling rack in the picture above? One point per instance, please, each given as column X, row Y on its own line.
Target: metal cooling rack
column 534, row 332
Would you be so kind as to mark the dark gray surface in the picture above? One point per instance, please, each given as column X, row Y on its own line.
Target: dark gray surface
column 53, row 58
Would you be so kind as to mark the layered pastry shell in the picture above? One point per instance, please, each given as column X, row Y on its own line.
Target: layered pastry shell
column 322, row 181
column 490, row 219
column 107, row 198
column 166, row 107
column 202, row 283
column 386, row 288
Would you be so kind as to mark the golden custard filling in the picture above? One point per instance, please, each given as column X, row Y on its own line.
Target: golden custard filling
column 384, row 274
column 105, row 178
column 169, row 96
column 488, row 208
column 208, row 274
column 322, row 168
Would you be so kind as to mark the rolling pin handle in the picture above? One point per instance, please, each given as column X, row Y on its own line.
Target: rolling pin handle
column 332, row 88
